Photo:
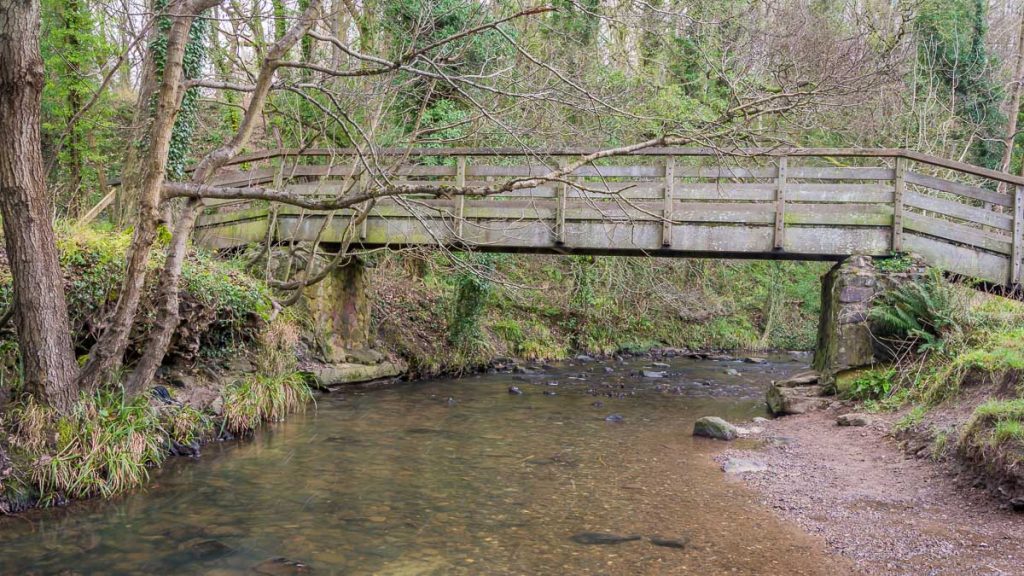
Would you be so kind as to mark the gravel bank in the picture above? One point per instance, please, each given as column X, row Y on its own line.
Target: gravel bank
column 887, row 512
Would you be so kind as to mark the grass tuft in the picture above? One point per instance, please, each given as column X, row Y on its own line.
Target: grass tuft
column 259, row 398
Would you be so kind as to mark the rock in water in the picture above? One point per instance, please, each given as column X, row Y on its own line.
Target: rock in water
column 514, row 390
column 732, row 372
column 679, row 543
column 206, row 550
column 714, row 427
column 614, row 418
column 602, row 538
column 282, row 567
column 755, row 360
column 853, row 419
column 652, row 374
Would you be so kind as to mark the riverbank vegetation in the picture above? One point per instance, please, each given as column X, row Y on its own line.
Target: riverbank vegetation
column 551, row 307
column 957, row 379
column 111, row 440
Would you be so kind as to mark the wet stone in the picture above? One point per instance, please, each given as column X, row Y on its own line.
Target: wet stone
column 282, row 566
column 602, row 538
column 677, row 543
column 514, row 390
column 614, row 418
column 714, row 427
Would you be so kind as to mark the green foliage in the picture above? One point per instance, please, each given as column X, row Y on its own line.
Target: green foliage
column 192, row 67
column 894, row 263
column 951, row 43
column 472, row 289
column 927, row 313
column 872, row 385
column 74, row 51
column 911, row 419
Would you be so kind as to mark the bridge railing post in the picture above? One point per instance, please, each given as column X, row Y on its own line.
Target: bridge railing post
column 899, row 184
column 1017, row 252
column 460, row 200
column 364, row 184
column 669, row 196
column 780, row 204
column 561, row 191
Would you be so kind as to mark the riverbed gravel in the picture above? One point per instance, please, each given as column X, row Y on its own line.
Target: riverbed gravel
column 888, row 512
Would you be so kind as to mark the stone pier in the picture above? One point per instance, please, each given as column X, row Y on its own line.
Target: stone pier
column 845, row 339
column 339, row 307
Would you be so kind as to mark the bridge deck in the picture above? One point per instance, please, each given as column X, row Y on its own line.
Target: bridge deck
column 797, row 204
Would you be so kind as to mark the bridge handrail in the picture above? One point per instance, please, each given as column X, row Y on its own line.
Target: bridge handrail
column 653, row 151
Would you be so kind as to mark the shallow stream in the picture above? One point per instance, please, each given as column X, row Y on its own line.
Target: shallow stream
column 453, row 476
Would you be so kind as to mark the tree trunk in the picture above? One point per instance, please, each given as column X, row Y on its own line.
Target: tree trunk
column 41, row 316
column 110, row 346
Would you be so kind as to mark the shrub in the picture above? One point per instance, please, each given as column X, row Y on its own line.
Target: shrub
column 872, row 385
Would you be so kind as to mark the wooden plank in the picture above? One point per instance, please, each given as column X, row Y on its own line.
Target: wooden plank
column 632, row 189
column 725, row 191
column 529, row 170
column 460, row 200
column 957, row 233
column 897, row 206
column 838, row 193
column 414, row 170
column 666, row 214
column 1017, row 251
column 837, row 173
column 364, row 184
column 99, row 207
column 958, row 259
column 724, row 172
column 957, row 210
column 618, row 171
column 648, row 151
column 959, row 189
column 780, row 205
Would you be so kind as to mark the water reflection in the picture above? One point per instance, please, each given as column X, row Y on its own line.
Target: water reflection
column 452, row 477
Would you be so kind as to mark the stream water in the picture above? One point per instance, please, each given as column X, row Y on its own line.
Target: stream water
column 453, row 476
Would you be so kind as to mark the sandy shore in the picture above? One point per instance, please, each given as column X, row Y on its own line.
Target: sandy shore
column 887, row 512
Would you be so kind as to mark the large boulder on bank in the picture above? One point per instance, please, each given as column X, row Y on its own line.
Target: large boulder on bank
column 715, row 427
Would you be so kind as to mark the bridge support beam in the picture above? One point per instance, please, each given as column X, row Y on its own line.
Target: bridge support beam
column 339, row 307
column 845, row 340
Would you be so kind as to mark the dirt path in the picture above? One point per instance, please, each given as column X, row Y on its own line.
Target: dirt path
column 887, row 512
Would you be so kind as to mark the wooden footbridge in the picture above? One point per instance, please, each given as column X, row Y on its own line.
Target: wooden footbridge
column 809, row 204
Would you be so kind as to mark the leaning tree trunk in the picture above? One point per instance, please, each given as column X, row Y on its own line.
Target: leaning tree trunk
column 112, row 343
column 41, row 316
column 167, row 317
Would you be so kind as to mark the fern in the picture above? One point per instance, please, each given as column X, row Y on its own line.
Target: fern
column 926, row 314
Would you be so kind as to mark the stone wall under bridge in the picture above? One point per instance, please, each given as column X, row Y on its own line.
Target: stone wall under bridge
column 845, row 338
